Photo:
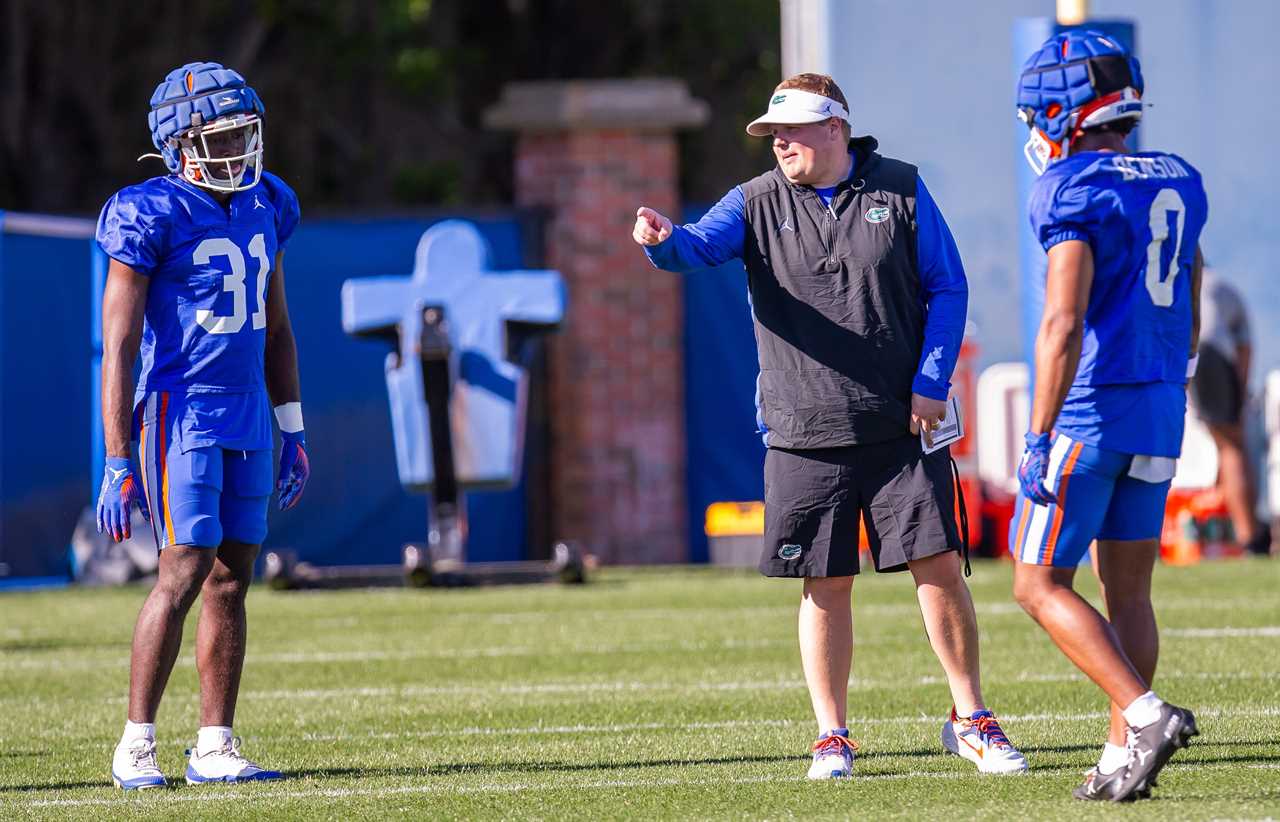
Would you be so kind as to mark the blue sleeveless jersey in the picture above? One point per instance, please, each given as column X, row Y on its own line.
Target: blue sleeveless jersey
column 204, row 330
column 1142, row 215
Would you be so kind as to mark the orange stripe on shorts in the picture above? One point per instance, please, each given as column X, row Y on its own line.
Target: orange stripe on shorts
column 1051, row 544
column 164, row 465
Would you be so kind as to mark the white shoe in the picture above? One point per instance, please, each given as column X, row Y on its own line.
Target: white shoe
column 833, row 755
column 134, row 767
column 225, row 764
column 980, row 740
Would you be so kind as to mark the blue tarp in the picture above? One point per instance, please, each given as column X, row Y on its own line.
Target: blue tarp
column 44, row 395
column 725, row 452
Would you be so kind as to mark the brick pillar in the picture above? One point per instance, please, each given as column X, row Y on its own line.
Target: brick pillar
column 592, row 152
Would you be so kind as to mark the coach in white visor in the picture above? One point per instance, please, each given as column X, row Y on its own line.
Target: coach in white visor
column 859, row 297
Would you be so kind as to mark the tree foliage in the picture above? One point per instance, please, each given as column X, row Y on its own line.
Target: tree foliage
column 373, row 104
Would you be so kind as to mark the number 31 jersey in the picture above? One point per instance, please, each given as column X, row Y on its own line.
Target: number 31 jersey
column 1142, row 215
column 204, row 329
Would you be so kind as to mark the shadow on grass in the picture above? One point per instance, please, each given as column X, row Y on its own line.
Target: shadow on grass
column 441, row 770
column 865, row 768
column 927, row 752
column 55, row 786
column 1195, row 747
column 453, row 768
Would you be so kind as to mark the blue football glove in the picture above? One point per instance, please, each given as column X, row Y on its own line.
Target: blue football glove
column 115, row 502
column 294, row 468
column 1033, row 469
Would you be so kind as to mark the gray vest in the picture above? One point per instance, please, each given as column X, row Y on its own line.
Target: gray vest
column 836, row 299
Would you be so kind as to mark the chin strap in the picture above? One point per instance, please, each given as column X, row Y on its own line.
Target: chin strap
column 142, row 157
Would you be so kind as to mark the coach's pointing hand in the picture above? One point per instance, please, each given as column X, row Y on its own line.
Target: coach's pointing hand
column 651, row 227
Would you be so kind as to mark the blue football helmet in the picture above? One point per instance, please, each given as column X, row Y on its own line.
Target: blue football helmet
column 207, row 124
column 1077, row 80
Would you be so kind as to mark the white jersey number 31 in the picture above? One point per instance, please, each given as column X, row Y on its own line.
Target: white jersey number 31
column 234, row 283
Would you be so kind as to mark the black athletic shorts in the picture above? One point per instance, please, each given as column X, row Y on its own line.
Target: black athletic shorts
column 814, row 498
column 1215, row 389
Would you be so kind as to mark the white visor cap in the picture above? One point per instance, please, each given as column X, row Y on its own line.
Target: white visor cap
column 793, row 107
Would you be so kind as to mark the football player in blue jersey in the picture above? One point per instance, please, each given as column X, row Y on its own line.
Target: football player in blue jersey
column 196, row 281
column 1116, row 345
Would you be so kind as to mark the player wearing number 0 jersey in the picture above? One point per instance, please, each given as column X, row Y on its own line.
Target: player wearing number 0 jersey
column 1141, row 216
column 1115, row 348
column 195, row 285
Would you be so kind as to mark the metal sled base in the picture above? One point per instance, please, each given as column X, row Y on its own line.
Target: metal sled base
column 283, row 571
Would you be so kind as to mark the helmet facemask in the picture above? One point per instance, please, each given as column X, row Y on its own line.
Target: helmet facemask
column 220, row 156
column 1039, row 150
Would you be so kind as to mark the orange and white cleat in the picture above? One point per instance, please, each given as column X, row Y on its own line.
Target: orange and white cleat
column 833, row 755
column 980, row 740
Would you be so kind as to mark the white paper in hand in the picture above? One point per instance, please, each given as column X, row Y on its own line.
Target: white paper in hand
column 950, row 430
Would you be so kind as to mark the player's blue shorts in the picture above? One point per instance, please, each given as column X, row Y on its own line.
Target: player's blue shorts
column 203, row 495
column 1098, row 498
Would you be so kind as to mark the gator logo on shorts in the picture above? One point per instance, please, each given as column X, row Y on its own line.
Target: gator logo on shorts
column 789, row 551
column 876, row 215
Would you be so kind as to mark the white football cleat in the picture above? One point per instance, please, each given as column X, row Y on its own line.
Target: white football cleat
column 134, row 766
column 833, row 755
column 225, row 764
column 980, row 740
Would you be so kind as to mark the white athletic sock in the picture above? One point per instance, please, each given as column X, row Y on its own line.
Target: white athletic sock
column 212, row 738
column 133, row 731
column 1144, row 710
column 1113, row 758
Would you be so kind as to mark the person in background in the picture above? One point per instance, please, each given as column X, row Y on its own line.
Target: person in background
column 1219, row 391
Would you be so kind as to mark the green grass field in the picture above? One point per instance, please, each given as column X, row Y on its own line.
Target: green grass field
column 650, row 694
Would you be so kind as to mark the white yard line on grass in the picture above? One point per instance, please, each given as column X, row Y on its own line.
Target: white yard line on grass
column 570, row 619
column 1222, row 633
column 1003, row 608
column 119, row 660
column 613, row 687
column 673, row 689
column 1211, row 676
